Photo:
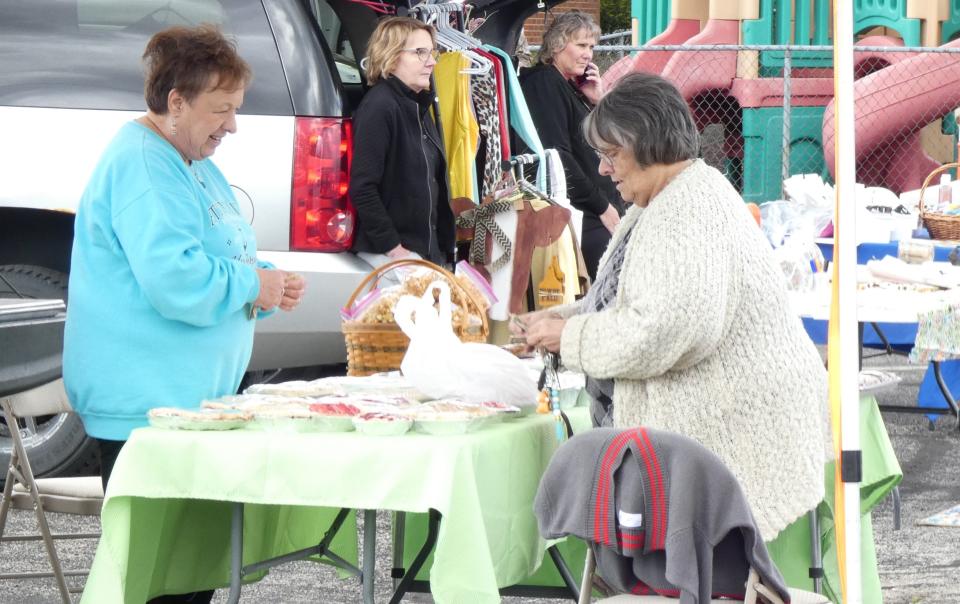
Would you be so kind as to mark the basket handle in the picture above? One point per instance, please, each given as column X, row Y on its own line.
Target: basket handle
column 378, row 272
column 929, row 177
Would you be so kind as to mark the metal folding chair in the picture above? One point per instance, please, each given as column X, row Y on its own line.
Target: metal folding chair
column 81, row 495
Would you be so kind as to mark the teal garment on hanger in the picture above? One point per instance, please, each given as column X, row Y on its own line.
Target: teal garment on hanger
column 476, row 188
column 520, row 118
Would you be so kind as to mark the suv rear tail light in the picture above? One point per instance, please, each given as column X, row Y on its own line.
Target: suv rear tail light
column 322, row 217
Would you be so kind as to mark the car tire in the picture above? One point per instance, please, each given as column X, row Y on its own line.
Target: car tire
column 57, row 445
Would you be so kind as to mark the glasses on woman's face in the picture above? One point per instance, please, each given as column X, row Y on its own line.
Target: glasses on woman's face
column 607, row 156
column 424, row 53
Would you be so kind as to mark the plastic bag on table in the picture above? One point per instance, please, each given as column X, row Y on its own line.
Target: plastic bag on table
column 784, row 220
column 438, row 364
column 800, row 259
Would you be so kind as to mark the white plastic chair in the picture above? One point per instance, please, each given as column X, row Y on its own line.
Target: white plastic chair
column 756, row 592
column 81, row 495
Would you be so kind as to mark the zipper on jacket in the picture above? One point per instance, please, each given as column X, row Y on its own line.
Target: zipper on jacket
column 426, row 162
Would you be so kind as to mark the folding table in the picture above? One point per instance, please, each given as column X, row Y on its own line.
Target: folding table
column 174, row 497
column 881, row 307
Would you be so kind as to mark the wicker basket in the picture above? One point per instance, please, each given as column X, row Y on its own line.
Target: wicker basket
column 377, row 347
column 940, row 226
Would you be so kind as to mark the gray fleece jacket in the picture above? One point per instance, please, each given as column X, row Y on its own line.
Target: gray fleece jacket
column 661, row 513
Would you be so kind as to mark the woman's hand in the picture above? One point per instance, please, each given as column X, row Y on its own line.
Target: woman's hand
column 294, row 286
column 398, row 252
column 546, row 333
column 610, row 218
column 521, row 324
column 593, row 88
column 271, row 288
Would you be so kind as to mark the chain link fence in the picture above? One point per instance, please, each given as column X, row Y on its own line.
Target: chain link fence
column 766, row 112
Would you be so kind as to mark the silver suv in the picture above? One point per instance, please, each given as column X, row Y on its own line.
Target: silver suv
column 70, row 75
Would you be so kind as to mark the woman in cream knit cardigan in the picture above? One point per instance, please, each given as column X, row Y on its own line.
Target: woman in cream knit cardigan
column 688, row 327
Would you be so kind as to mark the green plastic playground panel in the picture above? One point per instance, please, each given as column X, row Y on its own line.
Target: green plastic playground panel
column 652, row 17
column 763, row 148
column 950, row 28
column 891, row 14
column 776, row 26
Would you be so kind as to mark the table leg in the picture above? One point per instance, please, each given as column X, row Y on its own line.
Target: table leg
column 369, row 554
column 946, row 391
column 236, row 552
column 816, row 562
column 409, row 577
column 399, row 533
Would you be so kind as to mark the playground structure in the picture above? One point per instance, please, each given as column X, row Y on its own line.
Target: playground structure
column 904, row 101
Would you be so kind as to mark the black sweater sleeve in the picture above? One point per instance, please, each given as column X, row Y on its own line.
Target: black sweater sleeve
column 555, row 118
column 374, row 128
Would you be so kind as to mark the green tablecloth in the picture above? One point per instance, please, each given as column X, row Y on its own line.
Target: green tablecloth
column 791, row 549
column 166, row 516
column 881, row 473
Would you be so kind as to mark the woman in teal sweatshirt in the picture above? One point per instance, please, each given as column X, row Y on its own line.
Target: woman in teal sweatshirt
column 164, row 278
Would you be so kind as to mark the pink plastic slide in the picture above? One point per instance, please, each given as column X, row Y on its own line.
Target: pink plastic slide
column 890, row 106
column 653, row 61
column 704, row 70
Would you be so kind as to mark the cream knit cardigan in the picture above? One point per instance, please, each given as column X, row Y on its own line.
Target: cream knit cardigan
column 702, row 341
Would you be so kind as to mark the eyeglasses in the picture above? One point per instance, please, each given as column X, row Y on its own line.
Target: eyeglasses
column 607, row 156
column 424, row 53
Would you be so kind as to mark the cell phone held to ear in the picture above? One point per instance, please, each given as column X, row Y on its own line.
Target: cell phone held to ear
column 581, row 79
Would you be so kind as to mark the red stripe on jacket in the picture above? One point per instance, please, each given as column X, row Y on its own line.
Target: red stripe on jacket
column 601, row 507
column 659, row 479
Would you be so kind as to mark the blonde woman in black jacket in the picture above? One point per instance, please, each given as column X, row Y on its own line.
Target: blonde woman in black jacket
column 398, row 180
column 560, row 91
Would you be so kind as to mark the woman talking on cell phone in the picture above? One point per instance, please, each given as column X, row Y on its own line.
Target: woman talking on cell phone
column 561, row 89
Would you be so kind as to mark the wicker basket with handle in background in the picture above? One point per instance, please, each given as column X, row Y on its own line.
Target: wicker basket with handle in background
column 940, row 226
column 378, row 347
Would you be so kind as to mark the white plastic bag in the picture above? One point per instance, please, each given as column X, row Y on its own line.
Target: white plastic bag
column 438, row 364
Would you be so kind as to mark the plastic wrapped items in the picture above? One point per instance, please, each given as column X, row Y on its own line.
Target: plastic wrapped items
column 800, row 261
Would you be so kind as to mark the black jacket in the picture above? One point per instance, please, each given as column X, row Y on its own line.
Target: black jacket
column 393, row 186
column 557, row 111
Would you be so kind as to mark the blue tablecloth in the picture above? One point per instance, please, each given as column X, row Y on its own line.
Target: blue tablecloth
column 876, row 251
column 899, row 335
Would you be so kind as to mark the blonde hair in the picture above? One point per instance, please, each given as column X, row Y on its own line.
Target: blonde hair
column 563, row 28
column 387, row 42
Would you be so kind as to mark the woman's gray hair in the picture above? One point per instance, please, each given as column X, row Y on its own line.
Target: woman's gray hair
column 564, row 27
column 644, row 113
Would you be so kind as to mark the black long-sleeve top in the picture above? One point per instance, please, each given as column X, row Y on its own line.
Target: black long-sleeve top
column 557, row 111
column 398, row 179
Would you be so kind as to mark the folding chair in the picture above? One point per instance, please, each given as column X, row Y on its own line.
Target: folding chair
column 81, row 495
column 756, row 592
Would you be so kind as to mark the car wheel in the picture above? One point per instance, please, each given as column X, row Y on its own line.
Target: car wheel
column 56, row 445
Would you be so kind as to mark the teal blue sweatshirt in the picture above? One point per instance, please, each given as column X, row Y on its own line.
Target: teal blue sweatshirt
column 161, row 281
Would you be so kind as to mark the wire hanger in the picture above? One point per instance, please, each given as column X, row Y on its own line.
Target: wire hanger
column 450, row 38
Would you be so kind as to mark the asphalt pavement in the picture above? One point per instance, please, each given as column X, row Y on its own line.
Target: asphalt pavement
column 916, row 563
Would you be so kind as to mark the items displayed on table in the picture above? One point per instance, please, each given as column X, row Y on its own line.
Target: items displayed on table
column 938, row 213
column 371, row 405
column 925, row 277
column 382, row 423
column 199, row 419
column 374, row 341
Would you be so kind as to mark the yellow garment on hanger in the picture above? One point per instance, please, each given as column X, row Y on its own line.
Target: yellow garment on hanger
column 566, row 252
column 460, row 130
column 550, row 288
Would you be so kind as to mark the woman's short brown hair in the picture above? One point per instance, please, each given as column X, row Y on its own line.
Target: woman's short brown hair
column 191, row 60
column 387, row 42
